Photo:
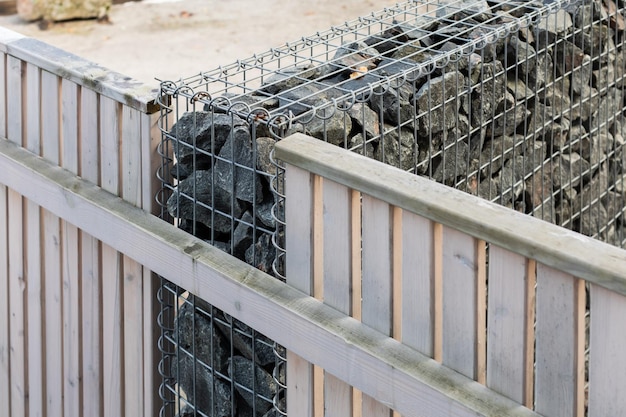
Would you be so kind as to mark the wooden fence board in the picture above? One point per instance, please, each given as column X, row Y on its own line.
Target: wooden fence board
column 14, row 94
column 112, row 278
column 377, row 279
column 90, row 263
column 459, row 290
column 5, row 358
column 337, row 281
column 131, row 154
column 112, row 355
column 560, row 308
column 299, row 245
column 507, row 320
column 417, row 283
column 3, row 94
column 72, row 390
column 50, row 146
column 53, row 314
column 33, row 255
column 607, row 361
column 17, row 298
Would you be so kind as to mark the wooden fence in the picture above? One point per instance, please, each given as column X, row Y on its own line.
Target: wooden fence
column 493, row 294
column 77, row 334
column 386, row 303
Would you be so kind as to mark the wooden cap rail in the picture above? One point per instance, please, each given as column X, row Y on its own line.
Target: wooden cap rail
column 549, row 244
column 399, row 376
column 114, row 85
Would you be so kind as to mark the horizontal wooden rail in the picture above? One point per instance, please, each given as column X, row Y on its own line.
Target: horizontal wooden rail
column 114, row 85
column 396, row 375
column 549, row 244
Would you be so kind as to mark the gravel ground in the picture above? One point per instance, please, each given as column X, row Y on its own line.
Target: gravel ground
column 170, row 39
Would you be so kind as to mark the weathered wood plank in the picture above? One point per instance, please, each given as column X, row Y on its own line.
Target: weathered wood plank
column 377, row 279
column 399, row 376
column 607, row 361
column 417, row 283
column 109, row 145
column 133, row 345
column 15, row 101
column 112, row 355
column 53, row 323
column 299, row 266
column 5, row 357
column 33, row 256
column 90, row 260
column 112, row 84
column 72, row 389
column 459, row 290
column 506, row 323
column 17, row 300
column 3, row 94
column 549, row 244
column 559, row 310
column 337, row 281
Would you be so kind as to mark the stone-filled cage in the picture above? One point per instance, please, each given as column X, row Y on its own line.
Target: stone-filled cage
column 519, row 102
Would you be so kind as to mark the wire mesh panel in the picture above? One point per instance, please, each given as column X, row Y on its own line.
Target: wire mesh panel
column 519, row 102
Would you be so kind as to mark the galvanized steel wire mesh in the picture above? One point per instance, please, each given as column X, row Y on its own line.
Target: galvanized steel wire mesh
column 519, row 102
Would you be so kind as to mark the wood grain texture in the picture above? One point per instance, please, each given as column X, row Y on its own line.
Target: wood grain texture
column 417, row 283
column 133, row 345
column 506, row 323
column 3, row 93
column 550, row 244
column 299, row 267
column 556, row 378
column 377, row 281
column 607, row 361
column 459, row 302
column 397, row 375
column 15, row 115
column 337, row 281
column 5, row 357
column 17, row 300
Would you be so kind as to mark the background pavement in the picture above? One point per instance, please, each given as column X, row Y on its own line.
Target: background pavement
column 170, row 39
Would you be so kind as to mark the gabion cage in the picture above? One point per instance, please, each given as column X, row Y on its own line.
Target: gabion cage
column 519, row 102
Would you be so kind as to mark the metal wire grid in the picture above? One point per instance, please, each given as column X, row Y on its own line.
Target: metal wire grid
column 455, row 41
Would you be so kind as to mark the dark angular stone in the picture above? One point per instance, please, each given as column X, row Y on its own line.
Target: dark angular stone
column 235, row 171
column 250, row 379
column 397, row 147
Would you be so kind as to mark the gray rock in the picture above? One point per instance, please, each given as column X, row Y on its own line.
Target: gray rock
column 235, row 171
column 437, row 103
column 365, row 119
column 333, row 128
column 199, row 385
column 452, row 162
column 59, row 10
column 397, row 147
column 290, row 77
column 541, row 200
column 195, row 197
column 261, row 255
column 560, row 23
column 581, row 76
column 264, row 148
column 350, row 57
column 359, row 145
column 202, row 134
column 242, row 235
column 393, row 105
column 306, row 97
column 568, row 170
column 250, row 380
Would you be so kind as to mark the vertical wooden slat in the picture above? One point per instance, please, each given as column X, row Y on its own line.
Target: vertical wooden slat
column 36, row 345
column 437, row 293
column 396, row 270
column 356, row 283
column 377, row 279
column 417, row 285
column 14, row 100
column 299, row 242
column 112, row 293
column 607, row 358
column 506, row 323
column 5, row 357
column 90, row 264
column 529, row 334
column 150, row 138
column 71, row 276
column 17, row 299
column 459, row 302
column 50, row 128
column 133, row 274
column 318, row 283
column 481, row 312
column 3, row 94
column 337, row 281
column 558, row 313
